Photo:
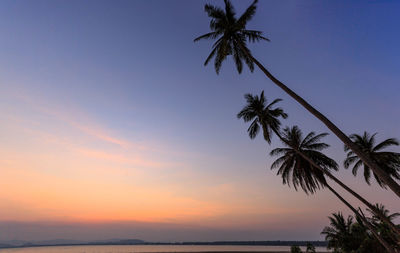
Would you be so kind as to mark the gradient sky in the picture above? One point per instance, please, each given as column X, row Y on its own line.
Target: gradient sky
column 110, row 125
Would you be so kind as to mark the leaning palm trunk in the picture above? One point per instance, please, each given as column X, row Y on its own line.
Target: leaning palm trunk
column 395, row 187
column 385, row 219
column 364, row 220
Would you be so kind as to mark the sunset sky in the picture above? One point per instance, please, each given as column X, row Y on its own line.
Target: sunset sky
column 111, row 127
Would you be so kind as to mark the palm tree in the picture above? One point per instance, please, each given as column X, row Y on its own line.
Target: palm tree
column 383, row 211
column 232, row 35
column 264, row 116
column 310, row 248
column 383, row 226
column 295, row 249
column 338, row 234
column 388, row 161
column 295, row 169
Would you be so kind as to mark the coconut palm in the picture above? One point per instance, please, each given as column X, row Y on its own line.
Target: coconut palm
column 231, row 37
column 384, row 227
column 264, row 116
column 296, row 170
column 388, row 161
column 339, row 234
column 385, row 212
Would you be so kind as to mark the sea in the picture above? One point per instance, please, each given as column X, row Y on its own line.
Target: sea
column 153, row 249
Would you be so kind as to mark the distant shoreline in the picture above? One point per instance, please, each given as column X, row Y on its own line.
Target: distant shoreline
column 232, row 251
column 64, row 242
column 283, row 244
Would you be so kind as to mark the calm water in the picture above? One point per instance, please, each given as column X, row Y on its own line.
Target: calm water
column 148, row 248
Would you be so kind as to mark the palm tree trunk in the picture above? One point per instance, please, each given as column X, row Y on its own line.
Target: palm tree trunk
column 395, row 187
column 364, row 220
column 395, row 229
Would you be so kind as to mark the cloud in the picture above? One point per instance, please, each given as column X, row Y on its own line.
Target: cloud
column 82, row 122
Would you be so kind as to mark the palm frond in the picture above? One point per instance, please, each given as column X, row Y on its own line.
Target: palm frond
column 349, row 160
column 229, row 11
column 317, row 146
column 356, row 166
column 245, row 55
column 278, row 162
column 386, row 143
column 279, row 151
column 211, row 35
column 378, row 180
column 312, row 138
column 367, row 173
column 277, row 100
column 253, row 129
column 247, row 15
column 253, row 36
column 214, row 12
column 212, row 54
column 238, row 59
column 247, row 113
column 222, row 51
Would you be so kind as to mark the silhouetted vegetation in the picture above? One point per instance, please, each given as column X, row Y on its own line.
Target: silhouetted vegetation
column 231, row 37
column 310, row 248
column 295, row 249
column 347, row 235
column 301, row 162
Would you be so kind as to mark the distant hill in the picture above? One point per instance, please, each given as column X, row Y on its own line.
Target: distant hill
column 119, row 242
column 58, row 242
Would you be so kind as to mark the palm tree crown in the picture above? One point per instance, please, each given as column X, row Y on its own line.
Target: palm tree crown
column 383, row 211
column 294, row 168
column 231, row 35
column 262, row 115
column 338, row 234
column 388, row 161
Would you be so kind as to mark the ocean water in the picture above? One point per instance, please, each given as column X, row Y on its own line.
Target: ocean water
column 150, row 249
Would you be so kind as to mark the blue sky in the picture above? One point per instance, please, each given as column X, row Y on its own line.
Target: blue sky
column 100, row 74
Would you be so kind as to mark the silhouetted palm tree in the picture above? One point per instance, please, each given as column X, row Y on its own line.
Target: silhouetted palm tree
column 338, row 234
column 232, row 36
column 388, row 161
column 310, row 248
column 293, row 168
column 295, row 249
column 384, row 227
column 264, row 116
column 383, row 211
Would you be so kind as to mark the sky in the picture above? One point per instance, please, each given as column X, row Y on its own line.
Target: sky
column 111, row 127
